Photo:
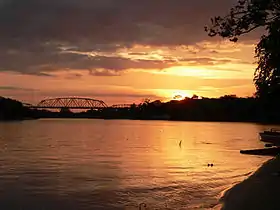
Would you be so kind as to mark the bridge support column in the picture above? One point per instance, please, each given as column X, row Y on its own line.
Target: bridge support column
column 65, row 110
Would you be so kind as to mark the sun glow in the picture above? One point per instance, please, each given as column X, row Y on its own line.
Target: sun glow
column 170, row 94
column 180, row 95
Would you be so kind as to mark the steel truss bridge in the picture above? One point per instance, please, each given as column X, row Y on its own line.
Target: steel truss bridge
column 74, row 103
column 71, row 103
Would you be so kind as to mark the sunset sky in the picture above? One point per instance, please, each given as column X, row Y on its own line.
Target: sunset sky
column 119, row 51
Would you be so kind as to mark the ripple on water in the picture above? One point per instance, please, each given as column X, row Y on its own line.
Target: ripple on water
column 96, row 164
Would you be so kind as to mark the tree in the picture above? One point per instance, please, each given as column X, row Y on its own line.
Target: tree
column 228, row 97
column 243, row 18
column 195, row 97
column 11, row 109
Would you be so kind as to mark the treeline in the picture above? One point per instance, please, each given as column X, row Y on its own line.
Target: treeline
column 226, row 108
column 13, row 110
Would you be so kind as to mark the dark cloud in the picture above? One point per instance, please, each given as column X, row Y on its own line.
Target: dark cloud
column 13, row 88
column 117, row 22
column 42, row 61
column 34, row 32
column 104, row 72
column 37, row 61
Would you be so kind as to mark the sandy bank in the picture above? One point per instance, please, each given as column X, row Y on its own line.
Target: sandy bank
column 259, row 191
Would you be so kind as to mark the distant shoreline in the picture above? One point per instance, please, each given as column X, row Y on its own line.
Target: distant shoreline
column 223, row 109
column 19, row 119
column 143, row 119
column 147, row 119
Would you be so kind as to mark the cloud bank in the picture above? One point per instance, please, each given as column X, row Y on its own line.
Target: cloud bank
column 38, row 36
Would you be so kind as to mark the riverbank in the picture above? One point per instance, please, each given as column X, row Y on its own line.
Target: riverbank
column 259, row 191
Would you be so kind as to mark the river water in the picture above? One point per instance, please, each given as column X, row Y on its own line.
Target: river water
column 118, row 164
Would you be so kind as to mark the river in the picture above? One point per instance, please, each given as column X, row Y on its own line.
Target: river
column 118, row 164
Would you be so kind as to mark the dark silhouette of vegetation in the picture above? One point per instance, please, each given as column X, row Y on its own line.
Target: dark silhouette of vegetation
column 12, row 110
column 246, row 16
column 228, row 108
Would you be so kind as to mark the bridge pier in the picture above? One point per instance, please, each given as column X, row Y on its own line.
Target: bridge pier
column 65, row 110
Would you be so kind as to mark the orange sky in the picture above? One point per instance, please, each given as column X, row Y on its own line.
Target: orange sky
column 230, row 73
column 154, row 56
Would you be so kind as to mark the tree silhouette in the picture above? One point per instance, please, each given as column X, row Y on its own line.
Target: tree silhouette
column 243, row 18
column 267, row 74
column 195, row 97
column 11, row 109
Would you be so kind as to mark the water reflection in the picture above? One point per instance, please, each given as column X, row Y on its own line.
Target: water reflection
column 102, row 164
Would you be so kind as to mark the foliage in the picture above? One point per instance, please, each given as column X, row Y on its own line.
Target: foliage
column 243, row 18
column 10, row 109
column 225, row 108
column 228, row 108
column 246, row 16
column 267, row 74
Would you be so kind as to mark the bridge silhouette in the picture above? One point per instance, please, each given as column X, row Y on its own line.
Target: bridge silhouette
column 74, row 103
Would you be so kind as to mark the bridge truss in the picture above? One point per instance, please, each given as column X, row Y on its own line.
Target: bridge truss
column 121, row 106
column 71, row 103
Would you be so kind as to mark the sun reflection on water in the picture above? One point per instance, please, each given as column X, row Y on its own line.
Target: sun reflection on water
column 101, row 164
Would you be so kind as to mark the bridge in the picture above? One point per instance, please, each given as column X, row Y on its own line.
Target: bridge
column 74, row 103
column 70, row 103
column 121, row 106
